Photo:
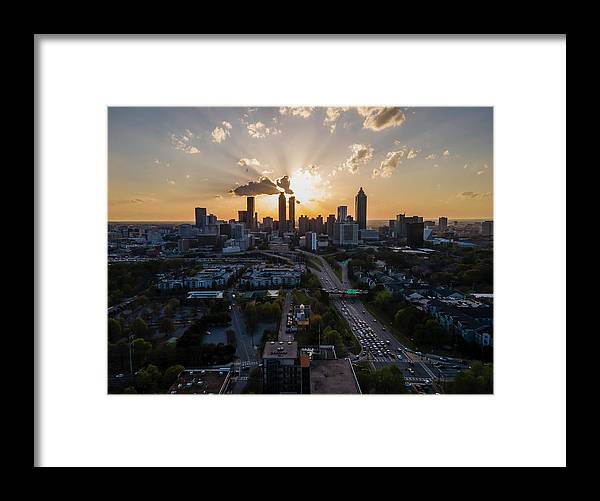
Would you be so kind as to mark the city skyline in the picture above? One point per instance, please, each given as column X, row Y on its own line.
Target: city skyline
column 164, row 162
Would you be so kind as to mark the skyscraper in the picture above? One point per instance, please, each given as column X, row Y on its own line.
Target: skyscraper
column 292, row 212
column 443, row 223
column 342, row 213
column 303, row 224
column 487, row 228
column 200, row 213
column 414, row 234
column 330, row 223
column 242, row 216
column 360, row 209
column 282, row 216
column 250, row 222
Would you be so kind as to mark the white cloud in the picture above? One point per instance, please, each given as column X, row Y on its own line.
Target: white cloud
column 219, row 134
column 181, row 143
column 298, row 111
column 259, row 130
column 472, row 195
column 248, row 162
column 170, row 181
column 431, row 156
column 446, row 153
column 331, row 116
column 379, row 118
column 389, row 164
column 361, row 154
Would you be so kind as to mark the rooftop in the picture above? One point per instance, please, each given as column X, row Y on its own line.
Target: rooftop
column 281, row 350
column 332, row 377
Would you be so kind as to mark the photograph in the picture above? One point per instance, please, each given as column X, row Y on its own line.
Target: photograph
column 307, row 250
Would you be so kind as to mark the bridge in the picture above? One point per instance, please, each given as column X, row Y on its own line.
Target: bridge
column 346, row 294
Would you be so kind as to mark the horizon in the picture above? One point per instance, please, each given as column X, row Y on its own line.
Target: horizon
column 164, row 162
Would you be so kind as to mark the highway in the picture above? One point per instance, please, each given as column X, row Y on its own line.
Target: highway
column 378, row 345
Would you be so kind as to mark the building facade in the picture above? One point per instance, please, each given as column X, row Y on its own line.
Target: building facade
column 360, row 209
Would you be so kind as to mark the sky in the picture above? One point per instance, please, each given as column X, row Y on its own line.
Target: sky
column 424, row 161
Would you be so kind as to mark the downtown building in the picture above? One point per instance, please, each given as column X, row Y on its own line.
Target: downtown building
column 345, row 234
column 360, row 209
column 282, row 214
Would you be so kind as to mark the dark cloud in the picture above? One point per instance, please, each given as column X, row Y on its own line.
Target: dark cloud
column 381, row 118
column 264, row 186
column 284, row 184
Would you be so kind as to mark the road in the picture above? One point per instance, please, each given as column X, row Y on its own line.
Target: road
column 283, row 335
column 244, row 350
column 378, row 345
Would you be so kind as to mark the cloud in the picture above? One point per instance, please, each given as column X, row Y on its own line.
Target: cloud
column 361, row 154
column 431, row 156
column 389, row 164
column 219, row 134
column 473, row 195
column 446, row 153
column 248, row 162
column 170, row 181
column 128, row 202
column 182, row 143
column 266, row 172
column 259, row 130
column 284, row 184
column 264, row 186
column 331, row 116
column 381, row 118
column 312, row 169
column 298, row 111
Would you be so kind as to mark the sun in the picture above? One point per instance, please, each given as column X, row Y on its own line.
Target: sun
column 310, row 190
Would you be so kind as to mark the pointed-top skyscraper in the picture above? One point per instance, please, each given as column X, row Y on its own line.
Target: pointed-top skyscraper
column 282, row 212
column 360, row 209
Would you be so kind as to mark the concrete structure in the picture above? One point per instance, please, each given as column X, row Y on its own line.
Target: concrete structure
column 329, row 225
column 360, row 209
column 282, row 214
column 443, row 223
column 311, row 241
column 345, row 234
column 202, row 381
column 282, row 372
column 250, row 211
column 368, row 235
column 292, row 213
column 200, row 215
column 342, row 213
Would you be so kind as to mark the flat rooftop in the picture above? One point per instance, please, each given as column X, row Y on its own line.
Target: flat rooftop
column 332, row 377
column 281, row 350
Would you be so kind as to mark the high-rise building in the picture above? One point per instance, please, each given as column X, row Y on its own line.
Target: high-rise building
column 330, row 223
column 200, row 213
column 487, row 228
column 311, row 241
column 319, row 226
column 414, row 234
column 211, row 219
column 342, row 213
column 443, row 223
column 268, row 222
column 360, row 209
column 242, row 216
column 345, row 234
column 303, row 225
column 250, row 222
column 292, row 212
column 282, row 211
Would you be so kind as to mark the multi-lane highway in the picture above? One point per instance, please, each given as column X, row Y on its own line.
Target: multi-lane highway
column 378, row 345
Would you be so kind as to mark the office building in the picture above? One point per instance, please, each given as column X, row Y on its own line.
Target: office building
column 345, row 234
column 282, row 372
column 250, row 221
column 311, row 241
column 267, row 223
column 200, row 213
column 414, row 234
column 368, row 235
column 303, row 225
column 342, row 213
column 443, row 223
column 319, row 226
column 360, row 209
column 242, row 216
column 292, row 213
column 330, row 223
column 282, row 214
column 487, row 228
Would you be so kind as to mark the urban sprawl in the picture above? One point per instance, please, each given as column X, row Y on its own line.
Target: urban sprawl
column 301, row 305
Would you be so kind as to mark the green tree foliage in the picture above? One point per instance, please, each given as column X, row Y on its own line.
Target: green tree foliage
column 139, row 351
column 148, row 380
column 130, row 390
column 115, row 332
column 406, row 319
column 430, row 333
column 254, row 385
column 479, row 379
column 170, row 375
column 387, row 380
column 140, row 328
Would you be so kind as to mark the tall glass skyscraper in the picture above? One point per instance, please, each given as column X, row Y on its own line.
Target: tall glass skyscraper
column 282, row 211
column 360, row 209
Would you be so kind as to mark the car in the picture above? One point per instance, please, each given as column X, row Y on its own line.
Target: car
column 383, row 328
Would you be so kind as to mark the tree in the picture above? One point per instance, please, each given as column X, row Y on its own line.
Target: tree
column 148, row 380
column 479, row 379
column 406, row 319
column 254, row 384
column 170, row 375
column 166, row 326
column 389, row 380
column 114, row 330
column 140, row 328
column 130, row 390
column 139, row 350
column 251, row 316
